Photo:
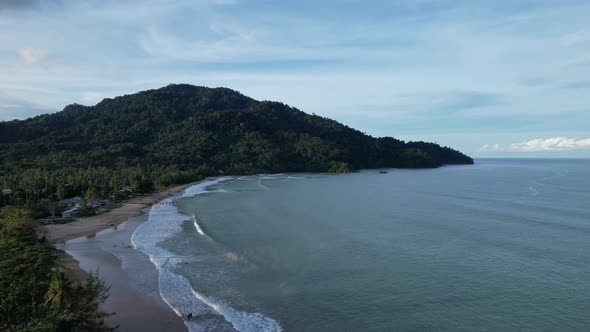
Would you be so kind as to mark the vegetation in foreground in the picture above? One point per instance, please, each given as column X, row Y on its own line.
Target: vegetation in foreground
column 37, row 294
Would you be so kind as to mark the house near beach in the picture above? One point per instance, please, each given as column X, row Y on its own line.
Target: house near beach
column 71, row 212
column 69, row 201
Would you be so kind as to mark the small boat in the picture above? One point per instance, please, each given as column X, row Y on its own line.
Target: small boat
column 383, row 172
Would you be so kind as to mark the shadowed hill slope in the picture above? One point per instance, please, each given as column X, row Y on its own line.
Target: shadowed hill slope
column 218, row 129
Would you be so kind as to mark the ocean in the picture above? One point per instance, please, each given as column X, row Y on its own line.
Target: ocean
column 501, row 245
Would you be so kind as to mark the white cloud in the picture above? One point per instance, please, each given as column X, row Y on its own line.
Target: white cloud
column 32, row 56
column 491, row 148
column 575, row 38
column 539, row 144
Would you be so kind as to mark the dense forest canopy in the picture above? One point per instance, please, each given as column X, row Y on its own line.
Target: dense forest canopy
column 180, row 133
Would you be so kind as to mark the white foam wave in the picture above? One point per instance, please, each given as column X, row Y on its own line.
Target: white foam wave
column 197, row 226
column 241, row 321
column 176, row 291
column 200, row 188
column 278, row 176
column 216, row 191
column 164, row 222
column 248, row 178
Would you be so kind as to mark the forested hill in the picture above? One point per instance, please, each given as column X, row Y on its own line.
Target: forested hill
column 184, row 127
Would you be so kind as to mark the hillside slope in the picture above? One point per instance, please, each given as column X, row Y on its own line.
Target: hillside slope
column 184, row 127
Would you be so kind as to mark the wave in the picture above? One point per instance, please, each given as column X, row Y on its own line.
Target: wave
column 197, row 226
column 164, row 222
column 216, row 191
column 241, row 321
column 248, row 178
column 272, row 175
column 200, row 188
column 278, row 176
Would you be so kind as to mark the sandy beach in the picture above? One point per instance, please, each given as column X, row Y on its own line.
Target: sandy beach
column 134, row 295
column 135, row 310
column 90, row 225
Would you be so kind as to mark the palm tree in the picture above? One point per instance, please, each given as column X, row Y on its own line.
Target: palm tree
column 60, row 287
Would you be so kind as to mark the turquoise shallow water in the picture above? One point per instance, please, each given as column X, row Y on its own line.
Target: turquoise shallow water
column 501, row 245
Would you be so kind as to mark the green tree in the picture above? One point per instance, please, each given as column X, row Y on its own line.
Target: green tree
column 37, row 294
column 85, row 209
column 91, row 194
column 61, row 286
column 49, row 205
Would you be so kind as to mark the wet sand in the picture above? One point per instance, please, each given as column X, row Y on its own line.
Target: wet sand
column 85, row 245
column 134, row 296
column 136, row 309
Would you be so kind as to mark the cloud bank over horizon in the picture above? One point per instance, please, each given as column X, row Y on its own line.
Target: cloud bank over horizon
column 548, row 144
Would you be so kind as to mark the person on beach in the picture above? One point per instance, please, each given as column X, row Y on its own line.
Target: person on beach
column 190, row 316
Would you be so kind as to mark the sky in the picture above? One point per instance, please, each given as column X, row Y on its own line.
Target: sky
column 490, row 78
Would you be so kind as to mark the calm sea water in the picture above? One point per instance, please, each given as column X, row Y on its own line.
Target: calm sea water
column 502, row 245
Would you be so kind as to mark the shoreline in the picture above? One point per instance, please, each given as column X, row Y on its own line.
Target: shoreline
column 87, row 226
column 129, row 305
column 134, row 296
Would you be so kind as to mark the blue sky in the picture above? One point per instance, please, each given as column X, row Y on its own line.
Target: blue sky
column 491, row 78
